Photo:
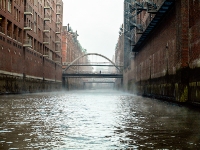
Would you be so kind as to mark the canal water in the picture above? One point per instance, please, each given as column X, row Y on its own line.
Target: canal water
column 95, row 120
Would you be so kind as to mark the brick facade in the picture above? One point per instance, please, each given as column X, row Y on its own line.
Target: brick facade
column 30, row 45
column 71, row 50
column 167, row 63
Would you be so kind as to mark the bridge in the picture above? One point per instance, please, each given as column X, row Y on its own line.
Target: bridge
column 99, row 82
column 92, row 75
column 77, row 71
column 105, row 64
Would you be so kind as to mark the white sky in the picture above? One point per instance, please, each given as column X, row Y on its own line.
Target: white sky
column 97, row 23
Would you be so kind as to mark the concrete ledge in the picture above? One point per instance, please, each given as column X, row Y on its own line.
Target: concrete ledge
column 28, row 76
column 10, row 73
column 14, row 83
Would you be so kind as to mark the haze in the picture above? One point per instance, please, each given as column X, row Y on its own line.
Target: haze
column 97, row 23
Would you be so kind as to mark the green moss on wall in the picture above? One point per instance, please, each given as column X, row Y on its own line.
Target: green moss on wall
column 184, row 95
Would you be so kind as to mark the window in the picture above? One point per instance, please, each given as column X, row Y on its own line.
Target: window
column 35, row 17
column 1, row 4
column 15, row 13
column 29, row 39
column 35, row 22
column 19, row 16
column 9, row 28
column 2, row 24
column 15, row 32
column 10, row 6
column 39, row 33
column 19, row 35
column 4, row 4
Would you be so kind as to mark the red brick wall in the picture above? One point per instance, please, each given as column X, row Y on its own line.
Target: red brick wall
column 31, row 65
column 58, row 73
column 17, row 60
column 194, row 32
column 52, row 71
column 13, row 60
column 159, row 54
column 64, row 47
column 49, row 69
column 11, row 57
column 182, row 28
column 168, row 64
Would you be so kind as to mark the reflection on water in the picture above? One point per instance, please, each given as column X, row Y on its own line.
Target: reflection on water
column 95, row 120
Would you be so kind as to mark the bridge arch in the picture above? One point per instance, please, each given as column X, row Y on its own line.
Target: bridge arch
column 87, row 55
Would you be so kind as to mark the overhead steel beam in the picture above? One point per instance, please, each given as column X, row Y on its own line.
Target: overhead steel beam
column 94, row 65
column 98, row 82
column 74, row 75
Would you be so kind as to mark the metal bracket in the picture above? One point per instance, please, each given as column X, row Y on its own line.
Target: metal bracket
column 151, row 7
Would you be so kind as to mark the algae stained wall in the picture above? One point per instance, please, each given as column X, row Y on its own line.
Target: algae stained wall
column 167, row 64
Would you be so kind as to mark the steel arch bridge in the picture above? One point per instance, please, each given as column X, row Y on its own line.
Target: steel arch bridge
column 73, row 62
column 67, row 76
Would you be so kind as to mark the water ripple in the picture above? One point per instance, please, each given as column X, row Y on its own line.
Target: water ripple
column 95, row 120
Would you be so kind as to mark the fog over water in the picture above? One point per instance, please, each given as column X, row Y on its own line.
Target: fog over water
column 95, row 119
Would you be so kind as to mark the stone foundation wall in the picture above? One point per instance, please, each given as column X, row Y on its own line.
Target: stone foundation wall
column 16, row 83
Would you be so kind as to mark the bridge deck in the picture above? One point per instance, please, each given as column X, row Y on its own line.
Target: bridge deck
column 74, row 75
column 98, row 82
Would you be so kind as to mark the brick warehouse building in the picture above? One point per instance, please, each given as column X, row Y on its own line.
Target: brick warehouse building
column 72, row 49
column 30, row 45
column 119, row 56
column 163, row 36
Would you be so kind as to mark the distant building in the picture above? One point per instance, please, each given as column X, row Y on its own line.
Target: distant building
column 119, row 55
column 30, row 44
column 71, row 50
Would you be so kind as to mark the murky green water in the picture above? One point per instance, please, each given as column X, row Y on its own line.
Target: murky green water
column 96, row 120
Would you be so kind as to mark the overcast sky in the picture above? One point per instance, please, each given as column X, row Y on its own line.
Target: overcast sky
column 97, row 23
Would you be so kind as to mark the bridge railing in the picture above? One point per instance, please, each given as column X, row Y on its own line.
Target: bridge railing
column 89, row 72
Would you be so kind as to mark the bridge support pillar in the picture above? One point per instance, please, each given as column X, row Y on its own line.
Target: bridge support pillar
column 63, row 82
column 67, row 84
column 84, row 85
